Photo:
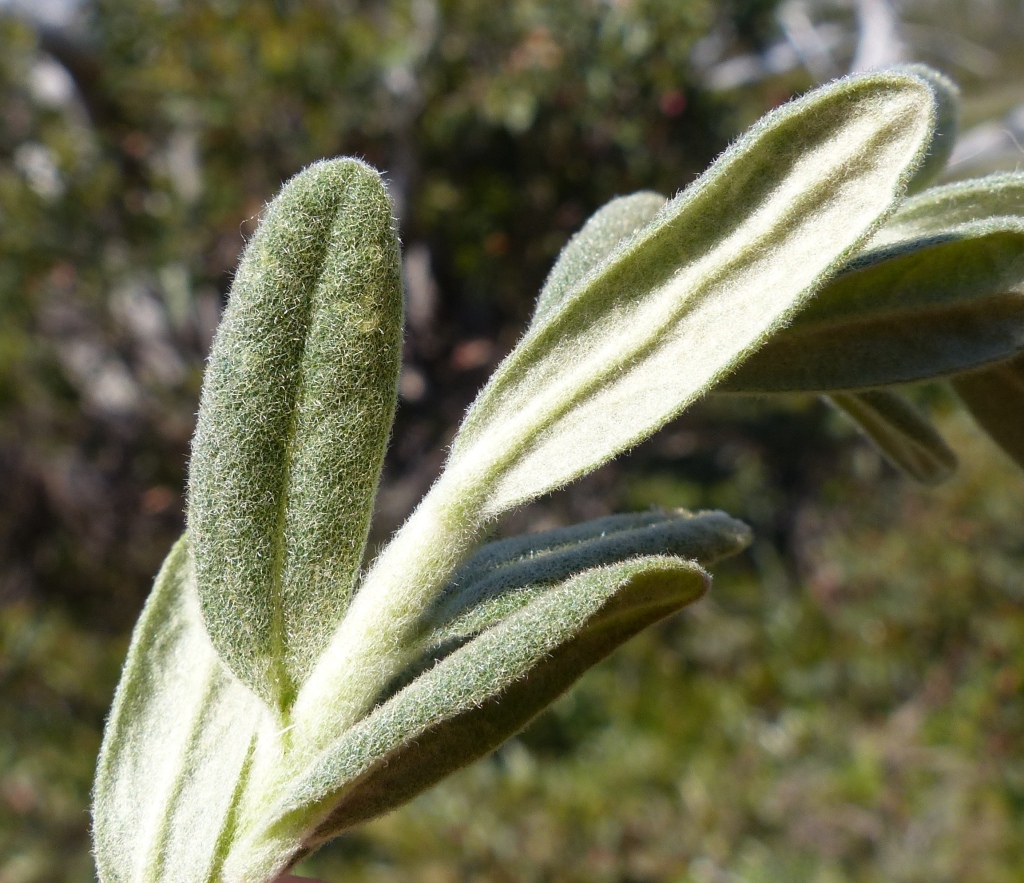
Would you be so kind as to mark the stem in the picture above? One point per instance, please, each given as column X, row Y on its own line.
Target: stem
column 374, row 641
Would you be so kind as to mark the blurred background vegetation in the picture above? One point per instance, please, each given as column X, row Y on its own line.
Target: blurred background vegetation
column 846, row 706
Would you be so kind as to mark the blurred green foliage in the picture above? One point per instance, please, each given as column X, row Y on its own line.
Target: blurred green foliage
column 847, row 705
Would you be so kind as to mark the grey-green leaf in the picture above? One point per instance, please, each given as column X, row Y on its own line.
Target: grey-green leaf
column 901, row 432
column 937, row 291
column 680, row 303
column 602, row 234
column 646, row 332
column 475, row 698
column 947, row 124
column 943, row 211
column 995, row 398
column 296, row 410
column 198, row 781
column 501, row 576
column 178, row 747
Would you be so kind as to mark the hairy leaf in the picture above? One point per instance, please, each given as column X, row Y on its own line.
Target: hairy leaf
column 901, row 432
column 995, row 398
column 474, row 699
column 500, row 576
column 947, row 120
column 604, row 232
column 650, row 329
column 194, row 765
column 178, row 750
column 680, row 303
column 940, row 211
column 938, row 290
column 295, row 414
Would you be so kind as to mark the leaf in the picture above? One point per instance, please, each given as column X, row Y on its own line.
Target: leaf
column 901, row 432
column 995, row 398
column 503, row 576
column 296, row 410
column 644, row 334
column 192, row 762
column 940, row 211
column 603, row 233
column 938, row 290
column 499, row 577
column 474, row 699
column 947, row 123
column 178, row 747
column 676, row 306
column 621, row 218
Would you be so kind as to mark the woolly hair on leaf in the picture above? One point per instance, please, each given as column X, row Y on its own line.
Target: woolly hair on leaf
column 296, row 409
column 432, row 666
column 503, row 576
column 939, row 210
column 947, row 124
column 652, row 327
column 613, row 224
column 509, row 662
column 937, row 291
column 184, row 740
column 198, row 781
column 488, row 690
column 821, row 351
column 602, row 234
column 677, row 305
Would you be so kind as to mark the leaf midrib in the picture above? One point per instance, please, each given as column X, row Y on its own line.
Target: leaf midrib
column 278, row 643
